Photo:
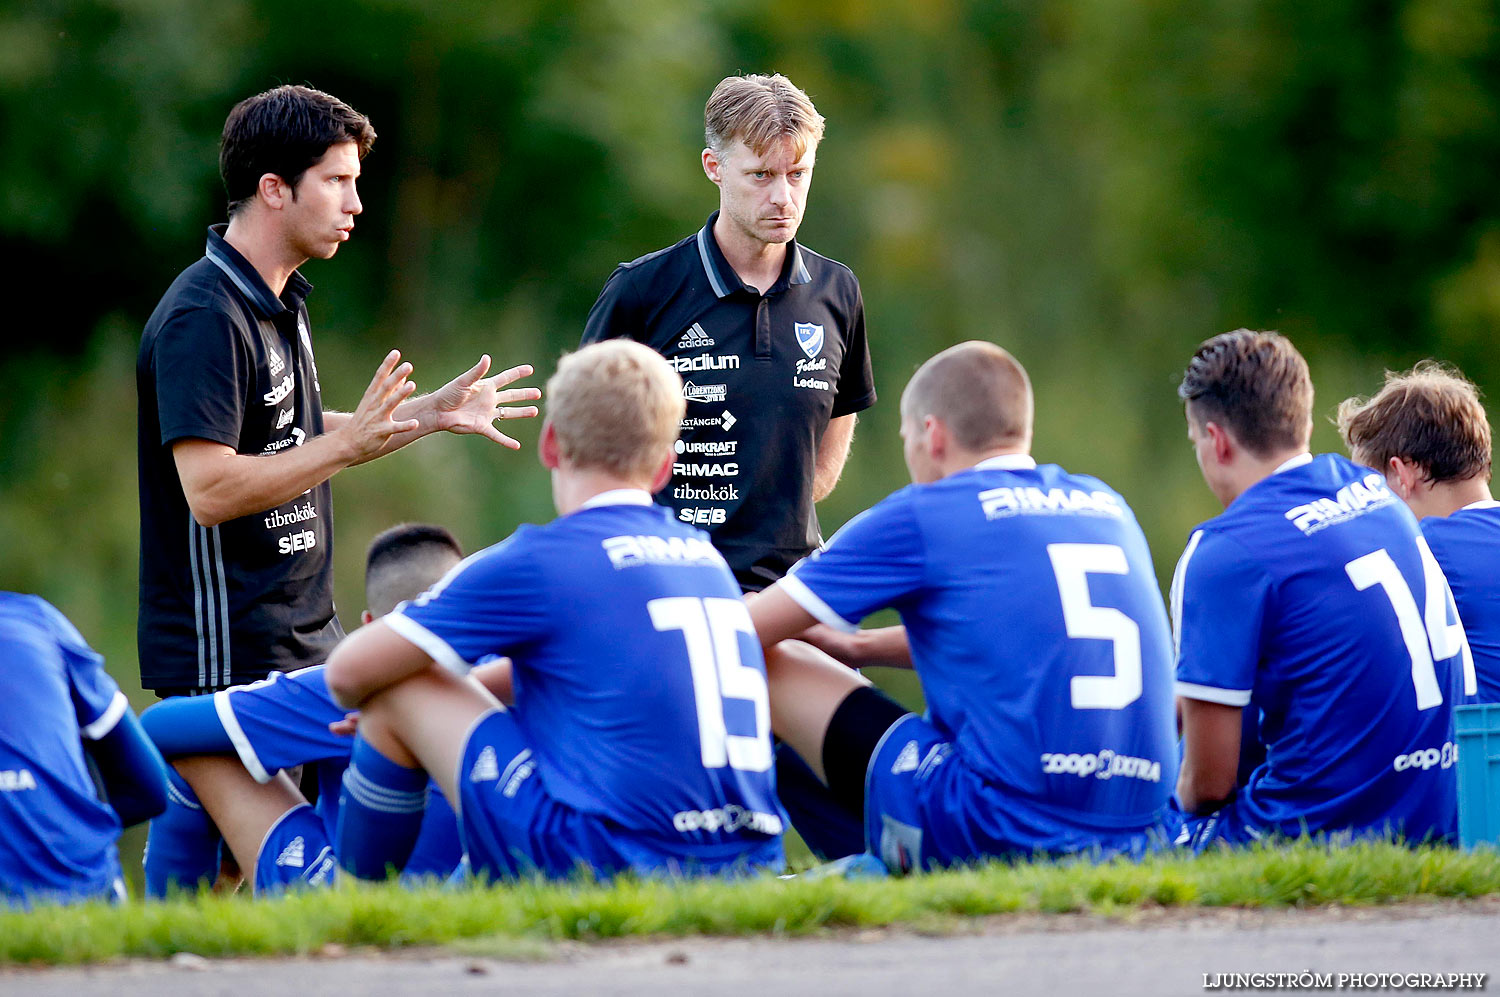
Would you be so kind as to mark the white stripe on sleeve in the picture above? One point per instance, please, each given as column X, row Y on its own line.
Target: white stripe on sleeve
column 810, row 601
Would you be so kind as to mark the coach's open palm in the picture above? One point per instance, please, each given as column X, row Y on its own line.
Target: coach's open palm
column 471, row 402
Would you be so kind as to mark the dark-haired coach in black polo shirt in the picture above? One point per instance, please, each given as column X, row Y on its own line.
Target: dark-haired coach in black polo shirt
column 768, row 336
column 235, row 448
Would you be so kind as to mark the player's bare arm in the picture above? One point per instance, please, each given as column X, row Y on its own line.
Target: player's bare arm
column 777, row 616
column 833, row 452
column 221, row 485
column 1211, row 754
column 880, row 647
column 469, row 404
column 369, row 660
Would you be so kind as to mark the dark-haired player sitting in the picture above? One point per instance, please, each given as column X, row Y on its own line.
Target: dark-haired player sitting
column 1428, row 434
column 1311, row 600
column 1031, row 617
column 232, row 751
column 61, row 712
column 640, row 738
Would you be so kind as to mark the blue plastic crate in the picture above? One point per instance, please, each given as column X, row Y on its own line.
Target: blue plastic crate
column 1477, row 733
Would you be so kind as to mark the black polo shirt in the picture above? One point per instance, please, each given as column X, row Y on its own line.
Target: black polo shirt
column 763, row 375
column 224, row 359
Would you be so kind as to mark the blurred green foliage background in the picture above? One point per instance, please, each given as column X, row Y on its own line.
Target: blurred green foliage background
column 1097, row 185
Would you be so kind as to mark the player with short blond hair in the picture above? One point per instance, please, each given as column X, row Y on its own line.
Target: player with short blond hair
column 639, row 739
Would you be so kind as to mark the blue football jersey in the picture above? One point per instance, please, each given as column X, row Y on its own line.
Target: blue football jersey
column 57, row 838
column 639, row 683
column 1313, row 599
column 1467, row 546
column 1036, row 628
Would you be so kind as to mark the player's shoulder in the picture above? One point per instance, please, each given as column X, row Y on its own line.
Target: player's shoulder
column 1478, row 524
column 504, row 559
column 20, row 611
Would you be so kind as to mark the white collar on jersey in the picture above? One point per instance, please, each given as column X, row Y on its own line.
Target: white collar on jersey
column 618, row 496
column 1297, row 461
column 1481, row 504
column 1007, row 462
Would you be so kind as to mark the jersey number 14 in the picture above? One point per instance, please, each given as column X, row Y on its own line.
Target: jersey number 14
column 1428, row 635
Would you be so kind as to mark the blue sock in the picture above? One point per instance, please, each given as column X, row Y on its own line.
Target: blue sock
column 182, row 848
column 380, row 812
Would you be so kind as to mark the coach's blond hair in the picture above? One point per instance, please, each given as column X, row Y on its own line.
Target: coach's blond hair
column 616, row 406
column 759, row 110
column 1429, row 415
column 981, row 393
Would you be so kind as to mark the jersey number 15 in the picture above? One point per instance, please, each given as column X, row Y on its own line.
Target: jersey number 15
column 711, row 628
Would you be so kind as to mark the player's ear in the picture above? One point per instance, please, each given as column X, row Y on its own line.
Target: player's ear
column 1403, row 476
column 1224, row 444
column 548, row 449
column 663, row 473
column 711, row 166
column 939, row 441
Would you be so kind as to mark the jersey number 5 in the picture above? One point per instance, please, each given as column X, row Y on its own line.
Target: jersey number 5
column 1071, row 565
column 711, row 628
column 1429, row 636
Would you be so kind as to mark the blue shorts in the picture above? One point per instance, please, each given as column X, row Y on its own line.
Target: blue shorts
column 282, row 721
column 296, row 852
column 925, row 808
column 512, row 827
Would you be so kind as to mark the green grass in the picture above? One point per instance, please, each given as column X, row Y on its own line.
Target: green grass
column 522, row 918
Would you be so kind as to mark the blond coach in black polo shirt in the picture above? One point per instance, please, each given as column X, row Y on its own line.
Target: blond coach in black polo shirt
column 235, row 448
column 768, row 336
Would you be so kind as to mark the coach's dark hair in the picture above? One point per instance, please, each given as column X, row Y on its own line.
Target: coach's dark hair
column 284, row 131
column 404, row 561
column 1256, row 385
column 1430, row 416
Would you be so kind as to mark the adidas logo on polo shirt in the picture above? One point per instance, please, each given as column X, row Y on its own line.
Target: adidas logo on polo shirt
column 486, row 767
column 695, row 338
column 292, row 854
column 908, row 760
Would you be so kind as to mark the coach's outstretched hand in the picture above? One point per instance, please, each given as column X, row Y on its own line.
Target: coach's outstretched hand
column 379, row 417
column 471, row 402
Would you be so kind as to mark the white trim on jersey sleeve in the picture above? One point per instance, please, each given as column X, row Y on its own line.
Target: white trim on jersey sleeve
column 242, row 747
column 435, row 647
column 1211, row 694
column 108, row 720
column 810, row 601
column 1179, row 582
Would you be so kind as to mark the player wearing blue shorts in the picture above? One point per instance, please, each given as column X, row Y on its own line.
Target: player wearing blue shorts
column 1312, row 600
column 233, row 750
column 1428, row 434
column 60, row 712
column 640, row 736
column 1032, row 618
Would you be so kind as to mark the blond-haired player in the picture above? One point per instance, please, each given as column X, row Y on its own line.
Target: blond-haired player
column 640, row 737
